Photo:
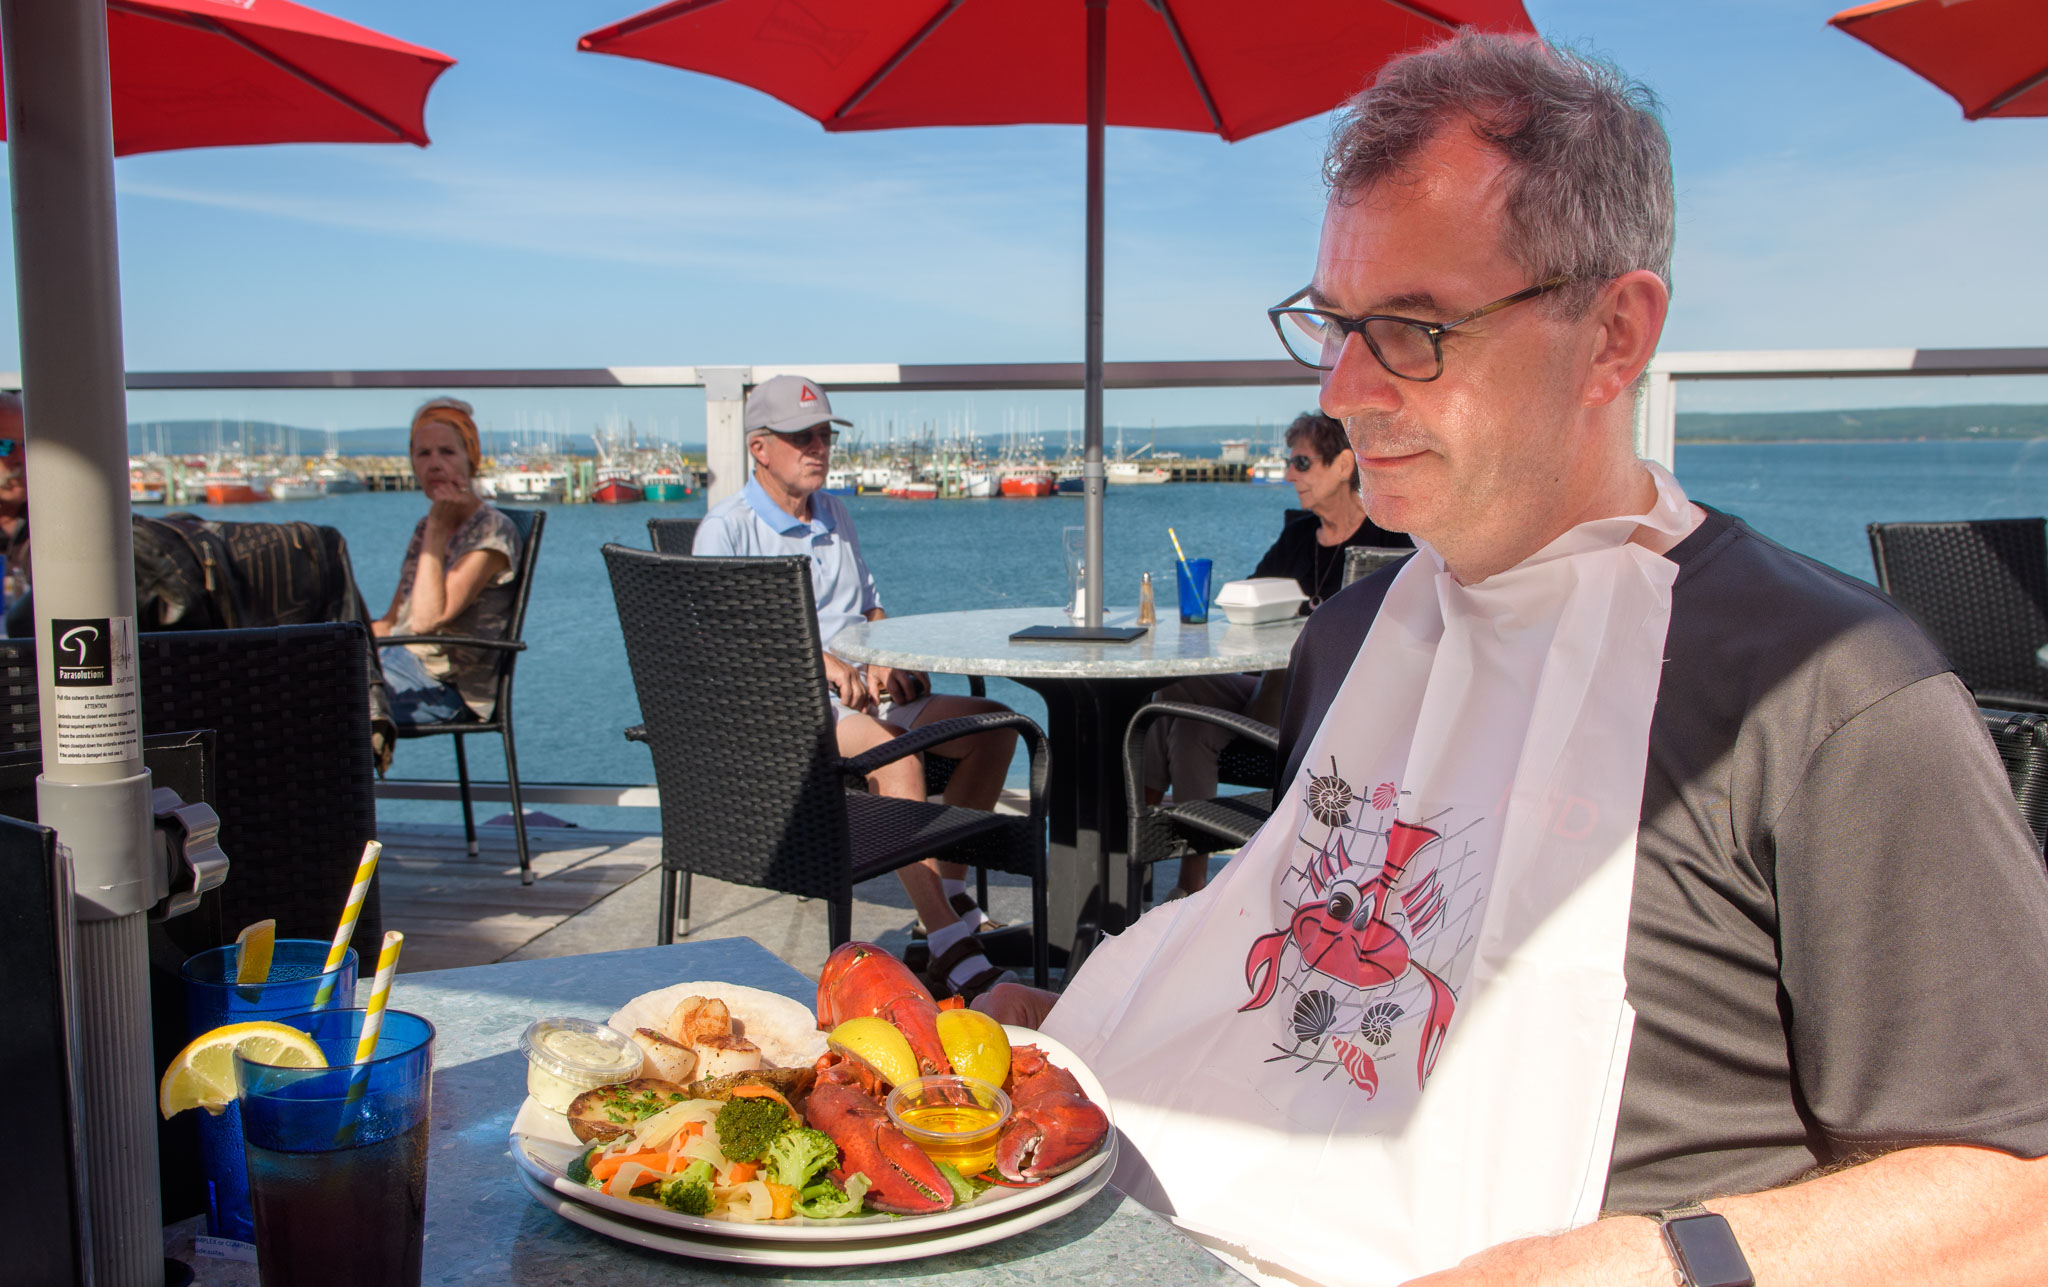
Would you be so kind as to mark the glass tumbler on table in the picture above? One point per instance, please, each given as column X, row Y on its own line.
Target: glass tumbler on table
column 338, row 1155
column 213, row 998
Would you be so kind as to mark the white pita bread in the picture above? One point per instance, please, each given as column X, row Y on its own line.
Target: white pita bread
column 786, row 1030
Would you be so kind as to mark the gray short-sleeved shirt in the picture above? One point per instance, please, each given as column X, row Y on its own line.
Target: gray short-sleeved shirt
column 1838, row 942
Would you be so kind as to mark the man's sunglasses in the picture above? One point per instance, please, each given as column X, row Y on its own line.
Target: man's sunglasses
column 803, row 439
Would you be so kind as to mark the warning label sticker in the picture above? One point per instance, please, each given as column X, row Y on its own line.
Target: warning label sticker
column 99, row 707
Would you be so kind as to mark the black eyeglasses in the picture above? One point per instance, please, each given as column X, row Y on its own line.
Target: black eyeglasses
column 803, row 439
column 1407, row 347
column 1300, row 464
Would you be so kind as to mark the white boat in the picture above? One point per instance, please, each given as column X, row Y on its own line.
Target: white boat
column 1132, row 471
column 525, row 483
column 338, row 480
column 1271, row 469
column 875, row 478
column 293, row 487
column 841, row 482
column 979, row 484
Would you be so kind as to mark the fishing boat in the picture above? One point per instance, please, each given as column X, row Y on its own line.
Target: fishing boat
column 617, row 486
column 1269, row 469
column 842, row 482
column 233, row 487
column 1133, row 471
column 338, row 480
column 665, row 483
column 979, row 484
column 524, row 482
column 904, row 487
column 1027, row 482
column 295, row 487
column 146, row 485
column 874, row 478
column 1071, row 484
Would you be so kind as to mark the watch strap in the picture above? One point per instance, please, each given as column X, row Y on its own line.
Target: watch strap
column 1668, row 1214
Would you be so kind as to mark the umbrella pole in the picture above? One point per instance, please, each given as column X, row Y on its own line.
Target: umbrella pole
column 1091, row 389
column 94, row 790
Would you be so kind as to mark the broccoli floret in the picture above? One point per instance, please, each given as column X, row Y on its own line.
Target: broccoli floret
column 964, row 1189
column 827, row 1201
column 795, row 1156
column 746, row 1127
column 579, row 1170
column 690, row 1192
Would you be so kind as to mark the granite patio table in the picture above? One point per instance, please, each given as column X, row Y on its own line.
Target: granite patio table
column 1091, row 691
column 483, row 1228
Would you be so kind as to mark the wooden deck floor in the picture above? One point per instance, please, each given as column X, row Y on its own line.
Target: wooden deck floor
column 457, row 910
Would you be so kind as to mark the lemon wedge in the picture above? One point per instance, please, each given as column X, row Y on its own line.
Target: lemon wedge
column 253, row 948
column 877, row 1043
column 976, row 1045
column 203, row 1073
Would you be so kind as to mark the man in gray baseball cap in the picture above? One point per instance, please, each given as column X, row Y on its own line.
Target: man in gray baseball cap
column 784, row 510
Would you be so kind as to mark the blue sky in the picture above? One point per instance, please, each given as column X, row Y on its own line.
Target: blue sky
column 577, row 210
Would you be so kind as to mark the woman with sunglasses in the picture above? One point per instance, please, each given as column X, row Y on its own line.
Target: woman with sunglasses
column 456, row 578
column 1310, row 552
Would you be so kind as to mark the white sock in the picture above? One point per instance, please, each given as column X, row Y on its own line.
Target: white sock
column 967, row 969
column 941, row 939
column 953, row 887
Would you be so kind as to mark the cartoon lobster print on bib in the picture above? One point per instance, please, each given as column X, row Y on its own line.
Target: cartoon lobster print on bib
column 1383, row 908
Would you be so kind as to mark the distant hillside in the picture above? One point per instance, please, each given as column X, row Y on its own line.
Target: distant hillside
column 1881, row 424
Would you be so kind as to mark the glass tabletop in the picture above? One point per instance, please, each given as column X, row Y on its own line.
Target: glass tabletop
column 978, row 643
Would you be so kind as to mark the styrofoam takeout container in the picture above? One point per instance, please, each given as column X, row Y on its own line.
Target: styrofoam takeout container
column 1260, row 599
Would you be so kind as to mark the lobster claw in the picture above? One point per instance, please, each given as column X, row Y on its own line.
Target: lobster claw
column 1262, row 968
column 1053, row 1124
column 902, row 1179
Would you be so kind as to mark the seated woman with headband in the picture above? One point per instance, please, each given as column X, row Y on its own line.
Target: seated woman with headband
column 456, row 579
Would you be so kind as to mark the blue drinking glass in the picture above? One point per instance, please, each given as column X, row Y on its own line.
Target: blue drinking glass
column 213, row 998
column 1194, row 591
column 338, row 1155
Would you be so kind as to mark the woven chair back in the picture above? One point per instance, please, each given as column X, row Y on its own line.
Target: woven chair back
column 2022, row 742
column 727, row 663
column 290, row 708
column 1362, row 561
column 1980, row 590
column 531, row 524
column 673, row 535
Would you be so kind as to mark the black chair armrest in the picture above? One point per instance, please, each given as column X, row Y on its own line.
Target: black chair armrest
column 636, row 733
column 466, row 641
column 927, row 736
column 1134, row 739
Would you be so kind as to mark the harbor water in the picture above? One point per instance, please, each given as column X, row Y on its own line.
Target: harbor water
column 574, row 694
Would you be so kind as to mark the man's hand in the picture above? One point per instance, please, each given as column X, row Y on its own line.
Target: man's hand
column 847, row 682
column 902, row 686
column 1015, row 1003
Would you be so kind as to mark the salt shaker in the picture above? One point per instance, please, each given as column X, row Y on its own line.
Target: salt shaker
column 1146, row 615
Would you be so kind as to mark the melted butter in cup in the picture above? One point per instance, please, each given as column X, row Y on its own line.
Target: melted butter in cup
column 952, row 1119
column 567, row 1056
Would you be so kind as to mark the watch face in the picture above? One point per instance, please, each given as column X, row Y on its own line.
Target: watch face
column 1707, row 1252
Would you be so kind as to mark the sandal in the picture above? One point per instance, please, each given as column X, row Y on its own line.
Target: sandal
column 964, row 903
column 938, row 973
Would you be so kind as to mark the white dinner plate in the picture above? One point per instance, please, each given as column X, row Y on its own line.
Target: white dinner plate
column 786, row 1030
column 901, row 1244
column 543, row 1146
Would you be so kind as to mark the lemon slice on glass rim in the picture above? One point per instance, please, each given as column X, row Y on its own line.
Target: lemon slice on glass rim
column 203, row 1073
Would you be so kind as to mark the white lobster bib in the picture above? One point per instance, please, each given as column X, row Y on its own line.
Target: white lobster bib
column 1440, row 900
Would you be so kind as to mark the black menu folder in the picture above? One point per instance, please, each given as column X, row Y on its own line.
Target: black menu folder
column 42, row 1206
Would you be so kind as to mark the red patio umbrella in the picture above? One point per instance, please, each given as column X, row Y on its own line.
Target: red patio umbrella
column 1216, row 66
column 211, row 73
column 1991, row 56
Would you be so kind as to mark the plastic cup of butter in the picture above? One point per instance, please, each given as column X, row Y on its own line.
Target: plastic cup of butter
column 566, row 1056
column 952, row 1119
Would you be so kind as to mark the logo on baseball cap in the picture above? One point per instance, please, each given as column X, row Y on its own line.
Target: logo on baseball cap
column 787, row 404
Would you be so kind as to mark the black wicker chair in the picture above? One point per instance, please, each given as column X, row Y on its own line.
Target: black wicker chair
column 1186, row 828
column 1363, row 560
column 1980, row 589
column 672, row 535
column 2022, row 742
column 730, row 674
column 295, row 787
column 529, row 522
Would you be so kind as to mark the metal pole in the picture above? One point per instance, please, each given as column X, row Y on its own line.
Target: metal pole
column 1091, row 393
column 94, row 789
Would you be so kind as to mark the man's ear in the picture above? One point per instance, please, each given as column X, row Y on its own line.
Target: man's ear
column 1630, row 312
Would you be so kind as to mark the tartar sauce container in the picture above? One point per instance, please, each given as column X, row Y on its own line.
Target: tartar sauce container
column 567, row 1056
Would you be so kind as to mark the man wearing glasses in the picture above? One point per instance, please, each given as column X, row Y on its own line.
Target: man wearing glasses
column 1624, row 863
column 783, row 511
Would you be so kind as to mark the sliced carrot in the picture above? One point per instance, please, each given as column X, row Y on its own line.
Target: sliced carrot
column 741, row 1172
column 750, row 1090
column 604, row 1168
column 783, row 1197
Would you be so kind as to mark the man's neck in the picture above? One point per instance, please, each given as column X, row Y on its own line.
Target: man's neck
column 795, row 504
column 1626, row 488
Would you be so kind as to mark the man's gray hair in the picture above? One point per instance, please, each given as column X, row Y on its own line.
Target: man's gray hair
column 1589, row 166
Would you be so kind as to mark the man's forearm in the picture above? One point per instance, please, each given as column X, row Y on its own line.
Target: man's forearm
column 1958, row 1216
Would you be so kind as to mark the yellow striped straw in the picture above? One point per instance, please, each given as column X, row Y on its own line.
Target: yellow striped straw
column 380, row 994
column 357, row 892
column 1185, row 574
